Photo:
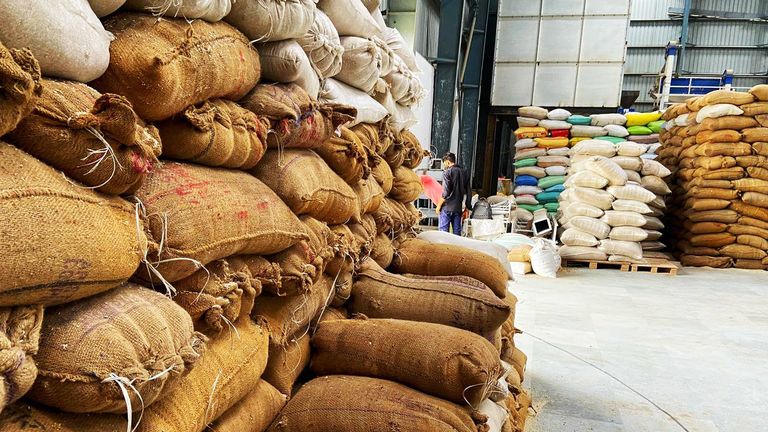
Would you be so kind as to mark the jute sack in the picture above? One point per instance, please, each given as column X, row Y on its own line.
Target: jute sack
column 745, row 209
column 368, row 109
column 722, row 216
column 713, row 163
column 727, row 122
column 242, row 216
column 734, row 173
column 322, row 45
column 129, row 333
column 164, row 66
column 628, row 233
column 278, row 101
column 254, row 412
column 761, row 148
column 705, row 261
column 209, row 10
column 272, row 20
column 750, row 221
column 370, row 195
column 262, row 272
column 286, row 363
column 217, row 132
column 742, row 251
column 285, row 61
column 755, row 199
column 754, row 135
column 758, row 173
column 312, row 129
column 704, row 204
column 626, row 248
column 217, row 295
column 446, row 362
column 414, row 153
column 382, row 251
column 287, row 318
column 361, row 63
column 406, row 186
column 95, row 139
column 727, row 97
column 759, row 242
column 749, row 264
column 716, row 193
column 431, row 259
column 19, row 340
column 751, row 185
column 99, row 247
column 582, row 253
column 715, row 240
column 707, row 227
column 345, row 155
column 404, row 85
column 342, row 403
column 19, row 86
column 723, row 135
column 308, row 186
column 724, row 149
column 450, row 301
column 760, row 92
column 65, row 36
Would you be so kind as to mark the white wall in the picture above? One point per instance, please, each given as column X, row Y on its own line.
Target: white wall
column 423, row 111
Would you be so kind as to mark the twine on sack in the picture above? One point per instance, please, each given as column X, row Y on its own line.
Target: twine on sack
column 105, row 153
column 159, row 11
column 271, row 23
column 210, row 397
column 327, row 300
column 124, row 385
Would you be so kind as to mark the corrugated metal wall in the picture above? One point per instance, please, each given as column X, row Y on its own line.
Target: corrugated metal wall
column 719, row 44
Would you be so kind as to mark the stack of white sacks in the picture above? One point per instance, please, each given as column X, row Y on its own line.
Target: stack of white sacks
column 612, row 202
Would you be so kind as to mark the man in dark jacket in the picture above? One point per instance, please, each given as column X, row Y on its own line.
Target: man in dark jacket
column 457, row 198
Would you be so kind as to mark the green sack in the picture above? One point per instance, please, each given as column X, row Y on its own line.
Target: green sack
column 639, row 130
column 531, row 208
column 525, row 162
column 552, row 207
column 579, row 120
column 656, row 126
column 547, row 197
column 549, row 181
column 612, row 139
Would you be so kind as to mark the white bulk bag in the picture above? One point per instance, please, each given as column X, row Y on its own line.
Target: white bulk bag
column 489, row 248
column 361, row 63
column 103, row 8
column 285, row 61
column 545, row 260
column 323, row 46
column 208, row 10
column 350, row 17
column 368, row 109
column 65, row 36
column 272, row 20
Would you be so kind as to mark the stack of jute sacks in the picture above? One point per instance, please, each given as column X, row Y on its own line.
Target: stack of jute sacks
column 613, row 199
column 716, row 146
column 191, row 226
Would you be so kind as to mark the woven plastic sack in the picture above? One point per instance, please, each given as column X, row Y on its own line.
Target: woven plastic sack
column 527, row 162
column 655, row 185
column 598, row 198
column 587, row 131
column 608, row 119
column 533, row 171
column 586, row 179
column 286, row 62
column 629, row 163
column 549, row 181
column 639, row 130
column 575, row 237
column 350, row 17
column 632, row 192
column 628, row 233
column 631, row 149
column 632, row 206
column 617, row 218
column 545, row 260
column 554, row 124
column 533, row 112
column 558, row 114
column 527, row 122
column 547, row 161
column 547, row 197
column 552, row 142
column 530, row 132
column 397, row 43
column 272, row 20
column 581, row 209
column 556, row 170
column 656, row 126
column 361, row 64
column 617, row 130
column 641, row 119
column 209, row 10
column 527, row 190
column 608, row 169
column 323, row 46
column 651, row 167
column 617, row 247
column 718, row 110
column 582, row 253
column 577, row 119
column 592, row 226
column 65, row 36
column 562, row 151
column 594, row 148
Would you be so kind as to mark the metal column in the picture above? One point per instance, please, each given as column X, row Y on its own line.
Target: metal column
column 446, row 65
column 684, row 35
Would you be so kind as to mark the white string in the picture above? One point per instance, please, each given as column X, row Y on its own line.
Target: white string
column 210, row 397
column 122, row 383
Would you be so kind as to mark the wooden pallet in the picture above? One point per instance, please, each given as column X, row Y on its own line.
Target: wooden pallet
column 654, row 262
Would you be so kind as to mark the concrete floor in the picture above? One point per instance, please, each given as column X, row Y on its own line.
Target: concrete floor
column 695, row 344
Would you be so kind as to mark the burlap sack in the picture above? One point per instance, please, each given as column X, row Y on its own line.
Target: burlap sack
column 308, row 186
column 217, row 296
column 430, row 259
column 95, row 139
column 382, row 251
column 164, row 66
column 727, row 122
column 749, row 264
column 748, row 230
column 720, row 136
column 98, row 241
column 370, row 195
column 322, row 45
column 217, row 132
column 378, row 294
column 286, row 363
column 760, row 92
column 312, row 129
column 128, row 334
column 742, row 251
column 365, row 233
column 278, row 101
column 242, row 216
column 382, row 172
column 19, row 340
column 361, row 63
column 414, row 152
column 755, row 109
column 254, row 412
column 758, row 173
column 343, row 403
column 754, row 135
column 745, row 209
column 727, row 97
column 287, row 318
column 406, row 186
column 761, row 148
column 716, row 193
column 758, row 242
column 19, row 86
column 712, row 240
column 713, row 163
column 706, row 227
column 346, row 156
column 722, row 216
column 426, row 356
column 705, row 261
column 750, row 221
column 724, row 149
column 272, row 20
column 751, row 185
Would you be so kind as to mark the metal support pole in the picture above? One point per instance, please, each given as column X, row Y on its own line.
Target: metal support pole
column 446, row 68
column 684, row 34
column 669, row 67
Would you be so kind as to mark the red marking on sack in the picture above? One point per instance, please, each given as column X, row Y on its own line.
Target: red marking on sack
column 189, row 188
column 262, row 205
column 140, row 164
column 242, row 214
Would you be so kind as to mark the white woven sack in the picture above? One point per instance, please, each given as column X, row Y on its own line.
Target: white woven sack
column 527, row 122
column 615, row 130
column 632, row 163
column 527, row 190
column 371, row 5
column 681, row 120
column 556, row 170
column 495, row 413
column 594, row 197
column 208, row 10
column 594, row 148
column 103, row 8
column 651, row 167
column 592, row 226
column 658, row 202
column 389, row 60
column 282, row 61
column 582, row 253
column 576, row 208
column 525, row 143
column 586, row 179
column 656, row 185
column 65, row 36
column 272, row 20
column 533, row 112
column 396, row 43
column 558, row 151
column 623, row 259
column 632, row 149
column 323, row 46
column 361, row 63
column 608, row 119
column 587, row 131
column 653, row 148
column 558, row 114
column 632, row 206
column 607, row 168
column 575, row 237
column 625, row 248
column 526, row 199
column 545, row 259
column 554, row 124
column 405, row 85
column 633, row 176
column 559, row 160
column 717, row 110
column 368, row 109
column 628, row 233
column 350, row 17
column 616, row 218
column 632, row 192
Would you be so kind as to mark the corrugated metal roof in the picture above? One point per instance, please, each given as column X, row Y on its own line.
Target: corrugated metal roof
column 706, row 33
column 653, row 9
column 704, row 61
column 659, row 9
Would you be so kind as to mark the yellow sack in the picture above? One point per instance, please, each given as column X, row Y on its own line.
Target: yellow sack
column 552, row 142
column 641, row 119
column 530, row 132
column 575, row 140
column 520, row 253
